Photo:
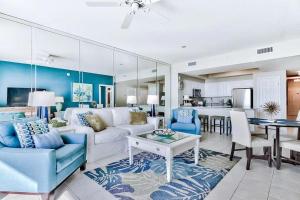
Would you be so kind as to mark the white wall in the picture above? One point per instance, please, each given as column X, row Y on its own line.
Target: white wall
column 246, row 57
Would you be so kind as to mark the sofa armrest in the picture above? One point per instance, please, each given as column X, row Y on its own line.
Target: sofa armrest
column 74, row 138
column 27, row 170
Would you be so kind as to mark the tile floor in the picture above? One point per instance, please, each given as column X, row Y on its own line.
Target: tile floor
column 259, row 183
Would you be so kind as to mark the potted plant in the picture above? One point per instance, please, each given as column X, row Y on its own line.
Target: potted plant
column 271, row 109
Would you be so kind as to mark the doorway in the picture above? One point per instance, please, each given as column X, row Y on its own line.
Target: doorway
column 293, row 98
column 106, row 96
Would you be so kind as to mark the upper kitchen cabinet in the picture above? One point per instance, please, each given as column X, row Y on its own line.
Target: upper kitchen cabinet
column 96, row 59
column 55, row 50
column 15, row 42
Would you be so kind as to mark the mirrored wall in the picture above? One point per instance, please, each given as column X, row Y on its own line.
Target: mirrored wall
column 81, row 72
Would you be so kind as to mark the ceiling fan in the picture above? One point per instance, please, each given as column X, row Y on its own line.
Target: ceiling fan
column 134, row 5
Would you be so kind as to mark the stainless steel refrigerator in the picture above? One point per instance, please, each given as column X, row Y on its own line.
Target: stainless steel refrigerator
column 242, row 98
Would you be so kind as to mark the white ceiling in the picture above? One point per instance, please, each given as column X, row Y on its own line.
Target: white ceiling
column 205, row 27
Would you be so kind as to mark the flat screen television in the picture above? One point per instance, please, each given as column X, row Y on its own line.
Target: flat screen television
column 18, row 97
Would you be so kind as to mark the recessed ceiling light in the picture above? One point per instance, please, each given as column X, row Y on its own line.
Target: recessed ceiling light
column 183, row 46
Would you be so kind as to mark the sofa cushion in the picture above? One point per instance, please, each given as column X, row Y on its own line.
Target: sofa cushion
column 105, row 114
column 68, row 154
column 183, row 127
column 8, row 135
column 51, row 140
column 82, row 118
column 110, row 134
column 138, row 118
column 121, row 116
column 137, row 129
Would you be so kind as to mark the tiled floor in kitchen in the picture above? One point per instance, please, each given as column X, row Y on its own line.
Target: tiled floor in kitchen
column 259, row 183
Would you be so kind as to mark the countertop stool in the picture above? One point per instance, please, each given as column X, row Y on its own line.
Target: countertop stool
column 228, row 126
column 204, row 122
column 213, row 123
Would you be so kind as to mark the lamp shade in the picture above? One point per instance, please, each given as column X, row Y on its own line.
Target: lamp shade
column 59, row 99
column 152, row 99
column 131, row 99
column 41, row 98
column 186, row 97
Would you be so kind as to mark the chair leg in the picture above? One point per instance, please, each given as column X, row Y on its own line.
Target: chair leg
column 249, row 156
column 221, row 127
column 274, row 148
column 83, row 167
column 210, row 125
column 270, row 156
column 214, row 125
column 232, row 151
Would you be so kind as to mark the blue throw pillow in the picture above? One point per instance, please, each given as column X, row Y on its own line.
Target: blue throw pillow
column 82, row 118
column 51, row 140
column 25, row 130
column 8, row 135
column 185, row 116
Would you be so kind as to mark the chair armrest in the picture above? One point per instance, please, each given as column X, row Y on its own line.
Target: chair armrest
column 27, row 170
column 198, row 125
column 74, row 138
column 170, row 122
column 87, row 130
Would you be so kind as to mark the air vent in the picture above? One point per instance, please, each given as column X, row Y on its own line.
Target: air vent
column 190, row 64
column 265, row 50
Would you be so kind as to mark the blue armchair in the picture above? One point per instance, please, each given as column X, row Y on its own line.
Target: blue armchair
column 38, row 171
column 193, row 128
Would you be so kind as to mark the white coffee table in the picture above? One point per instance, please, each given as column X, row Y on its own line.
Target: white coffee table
column 167, row 148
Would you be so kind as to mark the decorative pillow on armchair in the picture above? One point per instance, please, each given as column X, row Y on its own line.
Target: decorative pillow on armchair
column 185, row 116
column 138, row 118
column 26, row 129
column 51, row 140
column 96, row 122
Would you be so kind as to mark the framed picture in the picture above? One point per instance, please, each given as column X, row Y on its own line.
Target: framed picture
column 82, row 92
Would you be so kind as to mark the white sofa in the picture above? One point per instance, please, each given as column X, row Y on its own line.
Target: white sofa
column 113, row 139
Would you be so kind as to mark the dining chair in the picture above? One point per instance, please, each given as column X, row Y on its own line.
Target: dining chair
column 241, row 134
column 287, row 137
column 293, row 146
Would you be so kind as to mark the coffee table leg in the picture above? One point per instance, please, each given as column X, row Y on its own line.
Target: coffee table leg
column 196, row 151
column 169, row 161
column 130, row 155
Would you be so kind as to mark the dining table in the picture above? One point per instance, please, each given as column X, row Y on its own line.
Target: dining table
column 278, row 124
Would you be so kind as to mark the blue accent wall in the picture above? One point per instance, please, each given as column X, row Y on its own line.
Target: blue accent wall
column 52, row 79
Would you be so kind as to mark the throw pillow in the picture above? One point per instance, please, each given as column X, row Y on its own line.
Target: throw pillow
column 51, row 140
column 24, row 135
column 138, row 118
column 82, row 118
column 25, row 130
column 96, row 122
column 185, row 116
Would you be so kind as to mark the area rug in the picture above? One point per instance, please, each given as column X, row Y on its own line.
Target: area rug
column 146, row 177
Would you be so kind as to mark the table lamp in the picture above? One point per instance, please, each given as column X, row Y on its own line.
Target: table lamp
column 42, row 100
column 131, row 100
column 59, row 103
column 152, row 100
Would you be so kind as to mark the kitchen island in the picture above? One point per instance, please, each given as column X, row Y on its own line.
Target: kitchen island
column 219, row 110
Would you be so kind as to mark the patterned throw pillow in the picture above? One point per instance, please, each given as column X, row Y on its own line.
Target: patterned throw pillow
column 82, row 118
column 25, row 130
column 185, row 116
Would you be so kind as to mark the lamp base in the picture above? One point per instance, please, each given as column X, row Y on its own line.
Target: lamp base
column 42, row 113
column 152, row 113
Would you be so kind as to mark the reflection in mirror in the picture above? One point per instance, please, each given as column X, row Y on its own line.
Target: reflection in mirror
column 125, row 69
column 56, row 60
column 148, row 90
column 16, row 74
column 96, row 64
column 163, row 81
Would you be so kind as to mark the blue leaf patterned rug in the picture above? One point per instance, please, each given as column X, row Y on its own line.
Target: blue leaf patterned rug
column 146, row 178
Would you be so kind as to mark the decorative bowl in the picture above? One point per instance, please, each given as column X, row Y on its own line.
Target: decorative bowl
column 164, row 132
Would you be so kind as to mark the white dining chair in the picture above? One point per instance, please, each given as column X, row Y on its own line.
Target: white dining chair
column 241, row 134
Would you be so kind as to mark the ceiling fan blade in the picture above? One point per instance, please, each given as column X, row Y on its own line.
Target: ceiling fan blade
column 103, row 3
column 127, row 21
